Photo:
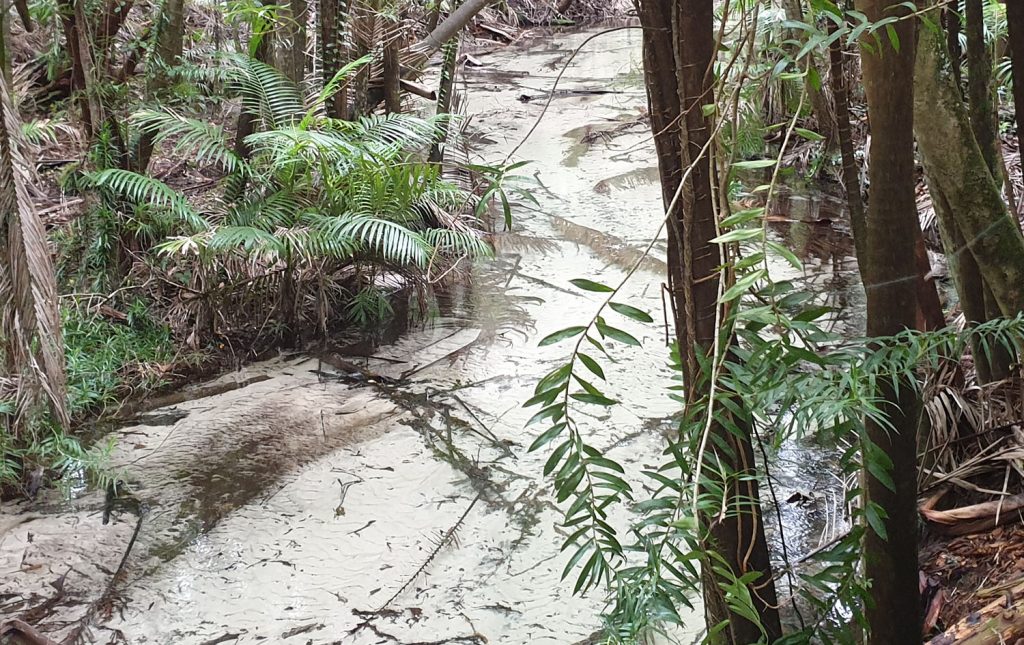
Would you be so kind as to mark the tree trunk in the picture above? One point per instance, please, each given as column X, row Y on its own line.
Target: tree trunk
column 957, row 170
column 851, row 170
column 821, row 108
column 415, row 57
column 445, row 94
column 393, row 70
column 929, row 307
column 979, row 87
column 170, row 36
column 1015, row 28
column 289, row 35
column 953, row 21
column 683, row 34
column 75, row 35
column 30, row 329
column 332, row 18
column 890, row 560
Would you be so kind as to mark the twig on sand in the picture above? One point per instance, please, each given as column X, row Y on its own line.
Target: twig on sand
column 446, row 538
column 104, row 601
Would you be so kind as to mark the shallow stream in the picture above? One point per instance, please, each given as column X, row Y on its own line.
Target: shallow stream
column 291, row 508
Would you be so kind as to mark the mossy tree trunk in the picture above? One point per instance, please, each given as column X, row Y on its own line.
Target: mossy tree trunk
column 332, row 19
column 1015, row 29
column 956, row 169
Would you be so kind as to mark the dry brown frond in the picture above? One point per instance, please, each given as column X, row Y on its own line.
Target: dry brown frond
column 28, row 292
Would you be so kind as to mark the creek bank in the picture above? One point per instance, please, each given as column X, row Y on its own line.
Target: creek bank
column 397, row 501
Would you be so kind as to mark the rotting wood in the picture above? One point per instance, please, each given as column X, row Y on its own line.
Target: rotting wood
column 1001, row 621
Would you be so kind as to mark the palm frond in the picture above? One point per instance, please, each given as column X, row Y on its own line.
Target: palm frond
column 148, row 191
column 28, row 288
column 269, row 94
column 458, row 243
column 333, row 86
column 392, row 241
column 191, row 137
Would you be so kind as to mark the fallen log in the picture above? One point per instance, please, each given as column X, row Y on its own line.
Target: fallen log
column 975, row 518
column 999, row 622
column 18, row 632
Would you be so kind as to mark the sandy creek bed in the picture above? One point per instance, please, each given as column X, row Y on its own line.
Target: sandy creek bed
column 248, row 537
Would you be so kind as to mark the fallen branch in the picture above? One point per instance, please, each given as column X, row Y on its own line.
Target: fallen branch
column 104, row 601
column 18, row 632
column 975, row 518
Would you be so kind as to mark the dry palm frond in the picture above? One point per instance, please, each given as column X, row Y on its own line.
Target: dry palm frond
column 28, row 290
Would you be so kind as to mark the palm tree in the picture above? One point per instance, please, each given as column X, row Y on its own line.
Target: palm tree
column 321, row 193
column 30, row 337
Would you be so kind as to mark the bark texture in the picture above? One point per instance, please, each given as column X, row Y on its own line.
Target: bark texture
column 1015, row 30
column 957, row 172
column 890, row 270
column 679, row 48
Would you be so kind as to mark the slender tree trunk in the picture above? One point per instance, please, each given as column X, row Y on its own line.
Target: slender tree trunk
column 929, row 308
column 21, row 6
column 953, row 22
column 247, row 121
column 1015, row 28
column 979, row 88
column 114, row 15
column 289, row 36
column 678, row 51
column 75, row 35
column 821, row 108
column 445, row 94
column 844, row 133
column 362, row 18
column 332, row 18
column 416, row 56
column 393, row 70
column 170, row 37
column 890, row 560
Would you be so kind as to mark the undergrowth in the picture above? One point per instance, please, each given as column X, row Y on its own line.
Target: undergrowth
column 109, row 358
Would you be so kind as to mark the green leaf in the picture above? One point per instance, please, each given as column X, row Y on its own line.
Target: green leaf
column 590, row 285
column 561, row 335
column 875, row 516
column 742, row 285
column 788, row 255
column 739, row 235
column 631, row 312
column 754, row 164
column 547, row 436
column 592, row 365
column 554, row 379
column 810, row 135
column 596, row 399
column 616, row 334
column 742, row 217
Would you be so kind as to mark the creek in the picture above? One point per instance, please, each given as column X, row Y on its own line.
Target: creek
column 291, row 508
